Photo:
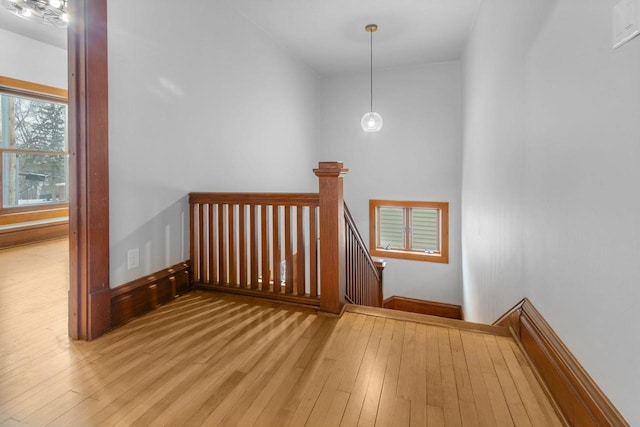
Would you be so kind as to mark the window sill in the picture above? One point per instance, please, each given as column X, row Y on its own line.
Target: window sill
column 411, row 256
column 22, row 215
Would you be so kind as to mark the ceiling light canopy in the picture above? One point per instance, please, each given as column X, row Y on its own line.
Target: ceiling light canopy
column 371, row 121
column 50, row 12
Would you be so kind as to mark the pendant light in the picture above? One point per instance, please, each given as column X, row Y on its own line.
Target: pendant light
column 371, row 121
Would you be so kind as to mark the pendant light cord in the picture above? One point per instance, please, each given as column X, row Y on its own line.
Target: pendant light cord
column 371, row 69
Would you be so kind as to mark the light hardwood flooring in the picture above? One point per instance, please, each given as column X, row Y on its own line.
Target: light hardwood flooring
column 213, row 359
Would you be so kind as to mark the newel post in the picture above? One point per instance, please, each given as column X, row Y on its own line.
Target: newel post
column 332, row 236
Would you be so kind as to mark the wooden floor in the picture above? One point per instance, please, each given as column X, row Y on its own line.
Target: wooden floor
column 212, row 359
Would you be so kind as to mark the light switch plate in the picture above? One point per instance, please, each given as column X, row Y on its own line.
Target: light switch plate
column 626, row 21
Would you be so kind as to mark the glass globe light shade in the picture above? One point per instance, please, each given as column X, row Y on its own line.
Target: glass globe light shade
column 371, row 122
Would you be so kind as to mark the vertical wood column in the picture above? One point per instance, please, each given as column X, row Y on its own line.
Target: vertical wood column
column 89, row 292
column 332, row 236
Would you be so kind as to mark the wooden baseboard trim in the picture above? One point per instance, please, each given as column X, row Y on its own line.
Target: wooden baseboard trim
column 577, row 396
column 304, row 301
column 450, row 311
column 16, row 236
column 146, row 293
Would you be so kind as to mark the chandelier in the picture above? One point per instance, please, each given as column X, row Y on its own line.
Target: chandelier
column 52, row 12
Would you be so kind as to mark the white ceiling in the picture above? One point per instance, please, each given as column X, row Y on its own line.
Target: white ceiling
column 329, row 35
column 44, row 33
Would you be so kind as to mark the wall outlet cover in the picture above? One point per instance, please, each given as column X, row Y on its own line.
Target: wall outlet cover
column 133, row 258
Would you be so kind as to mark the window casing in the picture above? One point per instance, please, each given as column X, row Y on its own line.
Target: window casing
column 34, row 156
column 409, row 230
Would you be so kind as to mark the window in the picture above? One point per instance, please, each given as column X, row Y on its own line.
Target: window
column 409, row 230
column 33, row 146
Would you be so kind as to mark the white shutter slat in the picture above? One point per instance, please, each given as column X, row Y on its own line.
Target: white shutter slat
column 391, row 227
column 425, row 229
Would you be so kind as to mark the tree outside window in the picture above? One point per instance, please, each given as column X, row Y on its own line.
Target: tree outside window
column 33, row 146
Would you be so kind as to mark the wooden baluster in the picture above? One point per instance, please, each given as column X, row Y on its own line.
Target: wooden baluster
column 363, row 290
column 254, row 248
column 288, row 251
column 201, row 243
column 264, row 240
column 232, row 244
column 352, row 270
column 277, row 280
column 211, row 260
column 222, row 255
column 243, row 246
column 349, row 264
column 195, row 258
column 313, row 253
column 300, row 261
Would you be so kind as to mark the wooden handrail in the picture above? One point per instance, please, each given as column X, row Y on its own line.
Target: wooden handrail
column 281, row 199
column 364, row 275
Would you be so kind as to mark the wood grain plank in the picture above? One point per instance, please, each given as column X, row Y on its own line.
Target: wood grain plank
column 450, row 398
column 358, row 389
column 492, row 383
column 369, row 411
column 536, row 415
column 514, row 402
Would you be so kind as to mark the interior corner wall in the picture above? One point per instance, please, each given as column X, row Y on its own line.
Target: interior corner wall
column 33, row 61
column 197, row 102
column 416, row 156
column 550, row 196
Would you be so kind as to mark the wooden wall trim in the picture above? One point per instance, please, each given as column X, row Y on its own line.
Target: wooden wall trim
column 576, row 395
column 146, row 293
column 431, row 308
column 23, row 235
column 27, row 216
column 31, row 87
column 89, row 291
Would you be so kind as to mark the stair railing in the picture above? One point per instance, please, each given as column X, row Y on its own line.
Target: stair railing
column 364, row 275
column 296, row 247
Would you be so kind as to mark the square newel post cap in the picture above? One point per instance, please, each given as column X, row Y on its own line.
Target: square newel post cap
column 380, row 264
column 329, row 169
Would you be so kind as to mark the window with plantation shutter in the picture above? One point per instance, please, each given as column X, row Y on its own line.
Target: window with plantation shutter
column 409, row 230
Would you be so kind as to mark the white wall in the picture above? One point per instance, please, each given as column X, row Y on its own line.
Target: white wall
column 550, row 194
column 197, row 102
column 416, row 156
column 27, row 59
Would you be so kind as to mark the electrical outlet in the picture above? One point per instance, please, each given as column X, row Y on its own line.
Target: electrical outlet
column 133, row 258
